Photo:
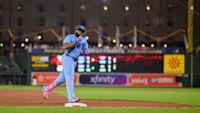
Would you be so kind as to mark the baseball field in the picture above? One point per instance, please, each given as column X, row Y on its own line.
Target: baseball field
column 27, row 99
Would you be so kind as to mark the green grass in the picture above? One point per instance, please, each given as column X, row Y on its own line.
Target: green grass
column 93, row 110
column 188, row 96
column 174, row 95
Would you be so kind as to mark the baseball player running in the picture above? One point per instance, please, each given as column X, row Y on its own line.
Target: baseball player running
column 73, row 45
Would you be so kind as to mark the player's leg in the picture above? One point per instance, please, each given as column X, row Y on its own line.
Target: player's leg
column 74, row 99
column 46, row 89
column 68, row 66
column 60, row 79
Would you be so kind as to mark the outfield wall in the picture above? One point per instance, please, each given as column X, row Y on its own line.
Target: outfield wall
column 113, row 79
column 137, row 70
column 26, row 63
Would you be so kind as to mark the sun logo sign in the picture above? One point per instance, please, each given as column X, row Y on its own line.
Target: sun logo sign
column 174, row 63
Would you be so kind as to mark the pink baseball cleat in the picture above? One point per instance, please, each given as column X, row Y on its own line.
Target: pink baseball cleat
column 76, row 99
column 45, row 92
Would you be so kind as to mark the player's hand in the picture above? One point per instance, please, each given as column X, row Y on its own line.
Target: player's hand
column 87, row 52
column 78, row 39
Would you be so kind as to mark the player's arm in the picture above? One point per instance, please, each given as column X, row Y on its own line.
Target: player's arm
column 67, row 45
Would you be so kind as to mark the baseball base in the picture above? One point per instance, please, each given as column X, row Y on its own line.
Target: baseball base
column 75, row 105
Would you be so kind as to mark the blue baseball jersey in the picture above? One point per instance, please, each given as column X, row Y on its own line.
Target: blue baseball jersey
column 75, row 51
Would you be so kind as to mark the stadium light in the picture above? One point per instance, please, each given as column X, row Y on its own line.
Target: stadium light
column 22, row 44
column 126, row 8
column 105, row 8
column 87, row 37
column 114, row 40
column 143, row 45
column 83, row 7
column 39, row 37
column 165, row 45
column 26, row 39
column 148, row 8
column 130, row 45
column 152, row 45
column 121, row 45
column 19, row 7
column 192, row 8
column 99, row 45
column 1, row 44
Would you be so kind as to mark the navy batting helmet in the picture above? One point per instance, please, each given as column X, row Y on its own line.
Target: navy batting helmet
column 80, row 27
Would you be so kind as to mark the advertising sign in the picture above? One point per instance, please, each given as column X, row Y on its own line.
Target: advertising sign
column 39, row 62
column 45, row 78
column 153, row 80
column 102, row 79
column 174, row 63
